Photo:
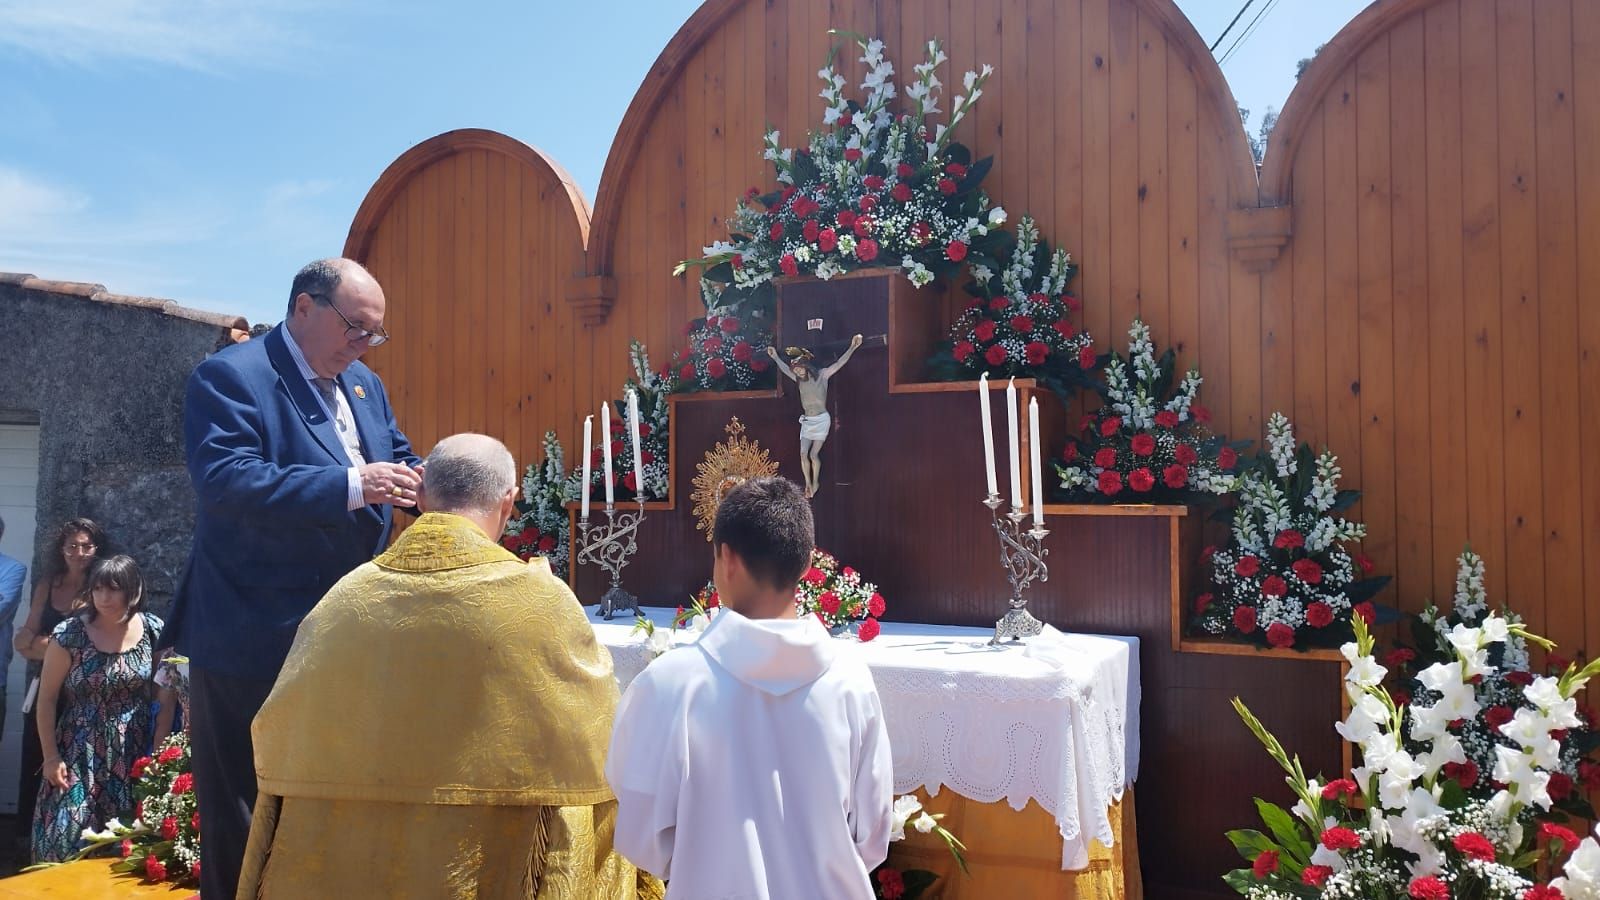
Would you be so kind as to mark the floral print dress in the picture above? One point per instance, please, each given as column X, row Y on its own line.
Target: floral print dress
column 105, row 725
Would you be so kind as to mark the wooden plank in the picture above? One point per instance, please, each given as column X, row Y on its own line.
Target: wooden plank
column 1447, row 414
column 423, row 268
column 696, row 205
column 1216, row 338
column 1183, row 214
column 1012, row 74
column 1123, row 173
column 1155, row 188
column 498, row 354
column 1557, row 278
column 1066, row 91
column 1586, row 94
column 1342, row 431
column 1096, row 140
column 1519, row 309
column 1480, row 278
column 1408, row 146
column 458, row 409
column 1310, row 271
column 1039, row 22
column 988, row 135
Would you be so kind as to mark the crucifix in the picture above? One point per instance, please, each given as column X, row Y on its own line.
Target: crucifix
column 815, row 423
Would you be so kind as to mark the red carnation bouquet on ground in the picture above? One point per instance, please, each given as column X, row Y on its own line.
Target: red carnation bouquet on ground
column 1286, row 579
column 1148, row 441
column 726, row 352
column 1019, row 321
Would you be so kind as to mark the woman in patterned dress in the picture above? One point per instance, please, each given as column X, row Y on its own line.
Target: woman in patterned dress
column 98, row 665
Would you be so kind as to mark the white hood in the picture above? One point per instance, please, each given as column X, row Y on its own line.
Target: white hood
column 773, row 655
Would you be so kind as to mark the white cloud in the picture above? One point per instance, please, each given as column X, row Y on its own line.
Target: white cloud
column 207, row 35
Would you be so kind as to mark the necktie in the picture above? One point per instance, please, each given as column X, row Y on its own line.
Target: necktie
column 327, row 387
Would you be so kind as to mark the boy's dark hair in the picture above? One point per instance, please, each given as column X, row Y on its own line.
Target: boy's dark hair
column 118, row 573
column 767, row 521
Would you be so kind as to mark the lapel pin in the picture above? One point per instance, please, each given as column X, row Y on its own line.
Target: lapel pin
column 361, row 392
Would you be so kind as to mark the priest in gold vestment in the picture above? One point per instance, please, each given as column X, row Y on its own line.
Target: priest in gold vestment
column 440, row 726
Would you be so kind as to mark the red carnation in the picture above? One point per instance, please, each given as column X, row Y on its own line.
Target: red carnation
column 788, row 265
column 947, row 187
column 139, row 765
column 630, row 482
column 1073, row 303
column 1280, row 635
column 1367, row 612
column 1022, row 324
column 1227, row 459
column 1036, row 352
column 742, row 352
column 829, row 601
column 1316, row 876
column 1064, row 328
column 1247, row 567
column 867, row 630
column 846, row 218
column 827, row 240
column 867, row 250
column 1307, row 571
column 814, row 576
column 1400, row 696
column 1201, row 602
column 956, row 250
column 125, row 848
column 1175, row 476
column 852, row 154
column 1167, row 419
column 1365, row 564
column 776, row 231
column 1244, row 619
column 1550, row 831
column 1143, row 444
column 716, row 368
column 1200, row 413
column 1344, row 787
column 1289, row 539
column 869, row 203
column 1110, row 426
column 956, row 169
column 1340, row 838
column 169, row 828
column 712, row 344
column 686, row 373
column 999, row 304
column 1086, row 357
column 1519, row 678
column 921, row 231
column 1037, row 297
column 1560, row 785
column 752, row 192
column 904, row 170
column 1429, row 888
column 890, row 885
column 1398, row 657
column 1543, row 892
column 1069, row 453
column 1265, row 864
column 863, row 226
column 170, row 754
column 810, row 230
column 153, row 869
column 183, row 784
column 901, row 192
column 1589, row 774
column 962, row 350
column 1141, row 479
column 984, row 330
column 875, row 605
column 1319, row 615
column 1106, row 457
column 1465, row 774
column 873, row 182
column 1556, row 663
column 996, row 355
column 1207, row 552
column 1475, row 846
column 1185, row 455
column 616, row 448
column 759, row 365
column 1110, row 483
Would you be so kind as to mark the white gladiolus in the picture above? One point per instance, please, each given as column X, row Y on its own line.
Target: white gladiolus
column 925, row 823
column 904, row 808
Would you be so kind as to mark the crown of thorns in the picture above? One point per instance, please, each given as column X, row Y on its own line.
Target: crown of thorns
column 797, row 354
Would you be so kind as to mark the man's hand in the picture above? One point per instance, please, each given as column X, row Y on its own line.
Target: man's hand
column 391, row 483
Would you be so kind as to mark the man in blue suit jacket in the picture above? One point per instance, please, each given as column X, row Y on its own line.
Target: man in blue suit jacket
column 297, row 465
column 13, row 574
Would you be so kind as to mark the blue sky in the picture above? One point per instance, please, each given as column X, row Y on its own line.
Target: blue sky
column 203, row 150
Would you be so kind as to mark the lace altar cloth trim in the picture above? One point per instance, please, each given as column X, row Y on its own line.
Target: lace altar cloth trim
column 1056, row 722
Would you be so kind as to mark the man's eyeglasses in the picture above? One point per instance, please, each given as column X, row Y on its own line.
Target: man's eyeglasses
column 355, row 332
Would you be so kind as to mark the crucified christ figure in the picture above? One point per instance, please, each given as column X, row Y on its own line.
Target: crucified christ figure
column 816, row 423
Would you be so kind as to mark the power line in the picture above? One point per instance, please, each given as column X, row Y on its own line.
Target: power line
column 1242, row 9
column 1249, row 30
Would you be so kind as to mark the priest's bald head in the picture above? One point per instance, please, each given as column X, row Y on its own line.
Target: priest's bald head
column 473, row 476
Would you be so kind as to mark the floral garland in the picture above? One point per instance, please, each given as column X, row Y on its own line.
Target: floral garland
column 727, row 351
column 163, row 843
column 1285, row 577
column 1148, row 441
column 1403, row 828
column 872, row 189
column 654, row 422
column 1018, row 323
column 1502, row 695
column 541, row 526
column 837, row 595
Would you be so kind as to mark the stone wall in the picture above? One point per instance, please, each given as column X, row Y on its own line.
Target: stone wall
column 103, row 375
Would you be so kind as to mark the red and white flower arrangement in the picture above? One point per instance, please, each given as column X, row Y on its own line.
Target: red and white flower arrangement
column 727, row 351
column 654, row 422
column 1019, row 320
column 1148, row 441
column 1401, row 826
column 541, row 526
column 163, row 843
column 836, row 594
column 1286, row 578
column 873, row 188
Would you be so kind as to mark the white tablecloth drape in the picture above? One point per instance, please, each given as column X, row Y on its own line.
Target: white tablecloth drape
column 1056, row 721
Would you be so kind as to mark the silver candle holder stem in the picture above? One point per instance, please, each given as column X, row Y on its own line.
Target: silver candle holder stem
column 1022, row 553
column 609, row 547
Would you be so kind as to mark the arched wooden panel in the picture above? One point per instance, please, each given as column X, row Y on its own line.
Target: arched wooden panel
column 475, row 238
column 1436, row 304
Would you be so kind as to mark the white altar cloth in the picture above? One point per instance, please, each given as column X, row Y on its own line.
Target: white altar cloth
column 1056, row 722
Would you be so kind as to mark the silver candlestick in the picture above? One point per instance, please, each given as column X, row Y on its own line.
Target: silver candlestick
column 609, row 547
column 1022, row 552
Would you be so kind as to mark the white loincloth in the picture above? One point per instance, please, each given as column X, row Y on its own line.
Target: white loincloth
column 815, row 428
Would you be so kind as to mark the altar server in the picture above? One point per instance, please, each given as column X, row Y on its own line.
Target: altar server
column 754, row 764
column 439, row 725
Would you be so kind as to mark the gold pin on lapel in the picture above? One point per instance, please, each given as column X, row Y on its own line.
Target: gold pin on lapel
column 361, row 392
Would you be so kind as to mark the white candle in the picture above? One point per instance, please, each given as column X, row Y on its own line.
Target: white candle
column 1016, row 452
column 588, row 450
column 1033, row 445
column 605, row 451
column 633, row 428
column 988, row 435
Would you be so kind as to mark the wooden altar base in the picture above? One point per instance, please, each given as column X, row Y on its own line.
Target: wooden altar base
column 1015, row 853
column 88, row 879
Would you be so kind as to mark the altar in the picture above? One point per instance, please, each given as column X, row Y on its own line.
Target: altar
column 1049, row 729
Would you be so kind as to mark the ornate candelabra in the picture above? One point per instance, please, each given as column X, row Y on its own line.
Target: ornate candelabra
column 1022, row 552
column 609, row 547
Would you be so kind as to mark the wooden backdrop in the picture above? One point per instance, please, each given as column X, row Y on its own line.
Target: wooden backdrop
column 1412, row 277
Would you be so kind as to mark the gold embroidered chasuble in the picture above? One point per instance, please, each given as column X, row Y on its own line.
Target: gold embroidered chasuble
column 439, row 729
